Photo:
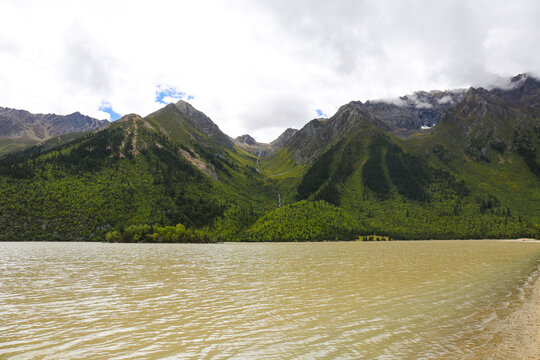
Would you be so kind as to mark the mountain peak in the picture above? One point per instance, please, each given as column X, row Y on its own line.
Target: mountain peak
column 412, row 111
column 519, row 78
column 129, row 117
column 19, row 128
column 284, row 138
column 246, row 139
column 184, row 105
column 182, row 116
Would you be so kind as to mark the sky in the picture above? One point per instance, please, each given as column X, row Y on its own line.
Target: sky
column 254, row 66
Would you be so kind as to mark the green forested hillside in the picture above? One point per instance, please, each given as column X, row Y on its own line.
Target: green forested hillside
column 305, row 221
column 125, row 175
column 174, row 176
column 473, row 176
column 407, row 196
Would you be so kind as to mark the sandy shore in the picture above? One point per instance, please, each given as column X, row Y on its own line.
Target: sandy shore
column 523, row 240
column 521, row 336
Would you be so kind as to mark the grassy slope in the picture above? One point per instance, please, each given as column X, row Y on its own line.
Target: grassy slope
column 238, row 180
column 505, row 176
column 303, row 221
column 281, row 169
column 446, row 214
column 127, row 174
column 134, row 173
column 8, row 145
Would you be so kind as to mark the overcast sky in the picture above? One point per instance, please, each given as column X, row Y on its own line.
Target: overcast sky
column 254, row 66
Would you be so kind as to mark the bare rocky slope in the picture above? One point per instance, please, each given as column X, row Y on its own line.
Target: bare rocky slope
column 20, row 128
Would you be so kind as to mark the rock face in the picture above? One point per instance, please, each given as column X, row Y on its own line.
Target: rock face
column 482, row 116
column 523, row 90
column 203, row 123
column 407, row 114
column 245, row 139
column 38, row 127
column 497, row 119
column 249, row 144
column 308, row 142
column 413, row 111
column 198, row 119
column 192, row 122
column 283, row 139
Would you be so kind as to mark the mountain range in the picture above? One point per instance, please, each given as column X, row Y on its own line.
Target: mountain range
column 19, row 128
column 438, row 164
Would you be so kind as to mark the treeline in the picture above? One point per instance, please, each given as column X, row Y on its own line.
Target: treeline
column 373, row 176
column 523, row 143
column 485, row 219
column 374, row 238
column 101, row 187
column 157, row 234
column 302, row 221
column 387, row 171
column 84, row 189
column 305, row 221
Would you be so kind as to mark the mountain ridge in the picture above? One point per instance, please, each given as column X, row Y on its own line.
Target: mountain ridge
column 475, row 174
column 20, row 128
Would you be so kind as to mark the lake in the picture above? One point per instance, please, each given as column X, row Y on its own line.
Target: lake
column 417, row 299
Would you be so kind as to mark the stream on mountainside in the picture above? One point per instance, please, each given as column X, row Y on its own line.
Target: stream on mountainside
column 260, row 172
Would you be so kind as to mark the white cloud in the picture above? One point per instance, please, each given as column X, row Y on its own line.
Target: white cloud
column 100, row 115
column 414, row 99
column 171, row 99
column 447, row 99
column 394, row 101
column 255, row 66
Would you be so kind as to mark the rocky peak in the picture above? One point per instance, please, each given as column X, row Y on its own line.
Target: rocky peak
column 246, row 139
column 317, row 134
column 198, row 119
column 413, row 111
column 200, row 122
column 476, row 94
column 520, row 78
column 478, row 103
column 38, row 127
column 283, row 139
column 531, row 86
column 489, row 121
column 129, row 117
column 355, row 114
column 249, row 144
column 523, row 89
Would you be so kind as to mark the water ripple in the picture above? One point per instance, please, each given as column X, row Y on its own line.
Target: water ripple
column 300, row 301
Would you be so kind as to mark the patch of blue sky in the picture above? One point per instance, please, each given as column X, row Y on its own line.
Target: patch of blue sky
column 168, row 94
column 320, row 113
column 107, row 107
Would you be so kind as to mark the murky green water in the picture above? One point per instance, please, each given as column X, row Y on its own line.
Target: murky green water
column 431, row 299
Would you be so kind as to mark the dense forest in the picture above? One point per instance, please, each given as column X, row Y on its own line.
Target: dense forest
column 175, row 177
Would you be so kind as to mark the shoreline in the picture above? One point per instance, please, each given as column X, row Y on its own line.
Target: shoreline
column 521, row 332
column 522, row 240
